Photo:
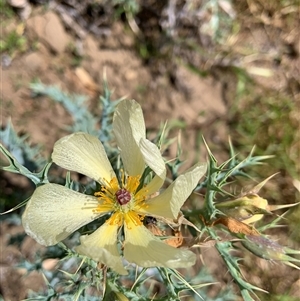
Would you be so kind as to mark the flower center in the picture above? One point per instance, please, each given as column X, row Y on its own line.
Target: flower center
column 123, row 196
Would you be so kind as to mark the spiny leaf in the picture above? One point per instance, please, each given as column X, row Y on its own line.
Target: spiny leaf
column 16, row 167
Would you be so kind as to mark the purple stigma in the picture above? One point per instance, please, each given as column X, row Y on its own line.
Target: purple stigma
column 123, row 196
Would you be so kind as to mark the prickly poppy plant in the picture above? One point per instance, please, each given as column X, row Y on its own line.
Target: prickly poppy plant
column 54, row 211
column 136, row 222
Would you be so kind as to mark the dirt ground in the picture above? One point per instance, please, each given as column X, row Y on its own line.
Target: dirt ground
column 201, row 103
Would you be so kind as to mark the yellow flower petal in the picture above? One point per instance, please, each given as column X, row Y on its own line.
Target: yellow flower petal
column 85, row 154
column 135, row 149
column 54, row 212
column 168, row 203
column 102, row 246
column 129, row 128
column 153, row 158
column 153, row 187
column 145, row 250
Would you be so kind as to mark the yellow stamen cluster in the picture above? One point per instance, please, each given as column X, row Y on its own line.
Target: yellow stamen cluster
column 116, row 219
column 122, row 213
column 107, row 196
column 133, row 218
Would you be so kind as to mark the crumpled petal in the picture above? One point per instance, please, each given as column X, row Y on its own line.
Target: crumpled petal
column 153, row 158
column 54, row 212
column 135, row 149
column 168, row 203
column 85, row 154
column 129, row 128
column 102, row 246
column 145, row 250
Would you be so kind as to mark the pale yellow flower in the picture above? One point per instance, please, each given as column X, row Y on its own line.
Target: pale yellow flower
column 54, row 211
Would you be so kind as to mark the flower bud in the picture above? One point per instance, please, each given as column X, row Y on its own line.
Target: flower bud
column 247, row 209
column 270, row 250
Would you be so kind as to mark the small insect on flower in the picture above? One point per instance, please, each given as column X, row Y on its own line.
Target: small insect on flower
column 151, row 224
column 127, row 200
